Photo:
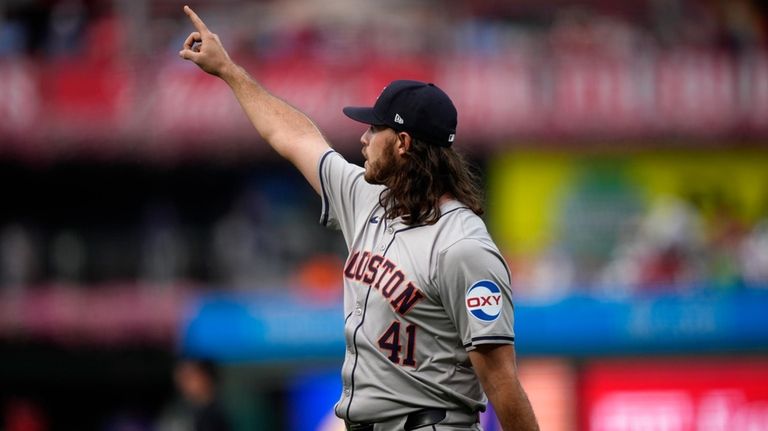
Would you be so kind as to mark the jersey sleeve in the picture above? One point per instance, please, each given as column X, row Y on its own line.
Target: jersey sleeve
column 474, row 287
column 346, row 196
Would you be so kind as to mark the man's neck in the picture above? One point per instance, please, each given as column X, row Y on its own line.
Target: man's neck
column 445, row 198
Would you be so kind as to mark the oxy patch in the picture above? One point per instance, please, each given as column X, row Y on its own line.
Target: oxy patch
column 484, row 300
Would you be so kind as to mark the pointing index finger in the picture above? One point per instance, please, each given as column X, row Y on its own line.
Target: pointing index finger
column 196, row 21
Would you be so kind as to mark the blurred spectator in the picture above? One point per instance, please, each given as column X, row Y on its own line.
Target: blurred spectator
column 243, row 248
column 753, row 255
column 743, row 25
column 18, row 256
column 345, row 29
column 199, row 410
column 163, row 249
column 28, row 26
column 661, row 253
column 12, row 37
column 67, row 25
column 583, row 30
column 685, row 23
column 127, row 421
column 68, row 256
column 320, row 277
column 552, row 277
column 671, row 234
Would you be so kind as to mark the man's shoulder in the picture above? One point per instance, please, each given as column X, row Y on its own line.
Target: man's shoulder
column 459, row 221
column 345, row 175
column 337, row 163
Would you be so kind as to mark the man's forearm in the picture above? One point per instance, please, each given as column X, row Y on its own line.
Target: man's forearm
column 512, row 407
column 496, row 368
column 281, row 125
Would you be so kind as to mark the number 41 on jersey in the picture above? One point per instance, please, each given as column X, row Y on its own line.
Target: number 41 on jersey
column 390, row 342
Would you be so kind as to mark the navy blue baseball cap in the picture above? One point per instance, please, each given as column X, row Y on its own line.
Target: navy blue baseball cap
column 419, row 108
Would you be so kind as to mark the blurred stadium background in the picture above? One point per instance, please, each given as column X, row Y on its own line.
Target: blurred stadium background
column 623, row 147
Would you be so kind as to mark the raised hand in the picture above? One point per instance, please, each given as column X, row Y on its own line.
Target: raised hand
column 204, row 48
column 284, row 128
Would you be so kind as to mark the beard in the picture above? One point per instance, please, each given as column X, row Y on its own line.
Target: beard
column 383, row 169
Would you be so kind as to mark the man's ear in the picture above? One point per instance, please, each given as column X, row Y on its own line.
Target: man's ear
column 404, row 141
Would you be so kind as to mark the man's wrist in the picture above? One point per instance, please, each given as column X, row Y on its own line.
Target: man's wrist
column 229, row 72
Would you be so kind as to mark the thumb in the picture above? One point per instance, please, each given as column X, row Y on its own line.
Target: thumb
column 188, row 54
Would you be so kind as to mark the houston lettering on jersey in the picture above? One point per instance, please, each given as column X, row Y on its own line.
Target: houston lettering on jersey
column 383, row 275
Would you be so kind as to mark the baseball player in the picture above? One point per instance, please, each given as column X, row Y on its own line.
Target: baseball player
column 427, row 300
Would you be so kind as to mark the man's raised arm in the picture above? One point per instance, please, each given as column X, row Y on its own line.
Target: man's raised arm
column 286, row 129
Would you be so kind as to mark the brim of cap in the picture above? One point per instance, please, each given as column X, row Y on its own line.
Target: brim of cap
column 362, row 114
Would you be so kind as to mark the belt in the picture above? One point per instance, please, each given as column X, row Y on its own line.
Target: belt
column 413, row 421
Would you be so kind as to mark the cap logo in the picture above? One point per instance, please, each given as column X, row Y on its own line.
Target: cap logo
column 399, row 119
column 451, row 137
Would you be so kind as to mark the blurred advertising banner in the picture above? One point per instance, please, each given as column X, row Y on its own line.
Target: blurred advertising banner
column 168, row 108
column 624, row 223
column 109, row 314
column 287, row 327
column 684, row 394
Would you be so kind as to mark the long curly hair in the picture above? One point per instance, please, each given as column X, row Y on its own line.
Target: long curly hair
column 426, row 173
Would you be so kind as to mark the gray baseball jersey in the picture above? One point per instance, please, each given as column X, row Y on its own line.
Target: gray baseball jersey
column 417, row 298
